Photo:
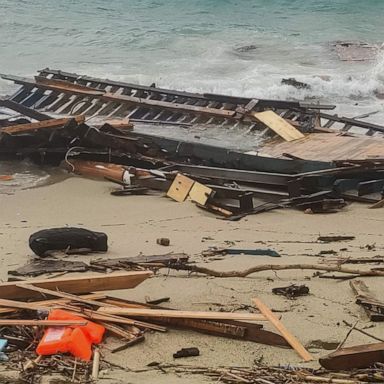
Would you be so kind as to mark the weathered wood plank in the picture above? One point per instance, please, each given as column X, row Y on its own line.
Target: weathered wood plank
column 52, row 123
column 143, row 312
column 42, row 323
column 295, row 344
column 360, row 356
column 77, row 284
column 273, row 121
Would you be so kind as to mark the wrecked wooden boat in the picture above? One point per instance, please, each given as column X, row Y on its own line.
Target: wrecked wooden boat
column 58, row 92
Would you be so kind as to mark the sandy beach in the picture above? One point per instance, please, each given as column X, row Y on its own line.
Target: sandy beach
column 133, row 223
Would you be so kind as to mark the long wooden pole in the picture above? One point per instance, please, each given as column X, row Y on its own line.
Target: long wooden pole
column 295, row 344
column 63, row 295
column 43, row 323
column 143, row 312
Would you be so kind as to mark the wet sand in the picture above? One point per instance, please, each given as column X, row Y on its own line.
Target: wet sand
column 133, row 223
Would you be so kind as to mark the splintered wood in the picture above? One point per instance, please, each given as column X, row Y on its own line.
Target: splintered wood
column 53, row 123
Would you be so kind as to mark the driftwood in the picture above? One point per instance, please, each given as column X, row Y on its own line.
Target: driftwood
column 167, row 260
column 278, row 267
column 39, row 267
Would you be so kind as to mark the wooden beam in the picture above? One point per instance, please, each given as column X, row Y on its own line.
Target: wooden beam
column 70, row 88
column 295, row 344
column 280, row 126
column 14, row 106
column 76, row 284
column 22, row 305
column 52, row 123
column 359, row 356
column 43, row 323
column 143, row 312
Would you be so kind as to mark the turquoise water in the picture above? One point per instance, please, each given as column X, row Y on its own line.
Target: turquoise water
column 197, row 44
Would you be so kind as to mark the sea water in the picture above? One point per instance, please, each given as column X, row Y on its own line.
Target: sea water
column 235, row 47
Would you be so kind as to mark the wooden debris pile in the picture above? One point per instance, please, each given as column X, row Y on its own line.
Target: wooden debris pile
column 279, row 374
column 24, row 306
column 228, row 183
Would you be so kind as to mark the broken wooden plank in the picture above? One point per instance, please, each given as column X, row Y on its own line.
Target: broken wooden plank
column 42, row 323
column 359, row 356
column 69, row 86
column 362, row 291
column 273, row 121
column 143, row 312
column 52, row 123
column 180, row 188
column 76, row 284
column 292, row 340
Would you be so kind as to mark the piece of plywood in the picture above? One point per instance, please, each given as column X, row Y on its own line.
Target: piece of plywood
column 143, row 312
column 76, row 284
column 180, row 188
column 273, row 121
column 200, row 193
column 295, row 344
